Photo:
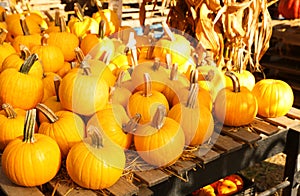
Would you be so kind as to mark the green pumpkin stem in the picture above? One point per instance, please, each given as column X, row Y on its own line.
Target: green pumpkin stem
column 78, row 11
column 24, row 26
column 132, row 124
column 3, row 33
column 51, row 116
column 158, row 119
column 156, row 64
column 174, row 72
column 57, row 80
column 62, row 24
column 25, row 52
column 97, row 139
column 29, row 126
column 9, row 110
column 193, row 96
column 235, row 81
column 148, row 85
column 49, row 16
column 28, row 63
column 102, row 29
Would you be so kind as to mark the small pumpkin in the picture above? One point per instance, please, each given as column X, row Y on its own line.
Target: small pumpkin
column 275, row 97
column 27, row 150
column 161, row 141
column 235, row 106
column 95, row 164
column 6, row 49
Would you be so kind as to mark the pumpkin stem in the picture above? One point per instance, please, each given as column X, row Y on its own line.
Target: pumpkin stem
column 168, row 61
column 62, row 24
column 156, row 64
column 28, row 63
column 102, row 28
column 209, row 76
column 174, row 72
column 148, row 86
column 193, row 77
column 168, row 31
column 132, row 124
column 25, row 52
column 49, row 16
column 120, row 78
column 29, row 126
column 235, row 81
column 78, row 11
column 84, row 65
column 57, row 18
column 3, row 16
column 57, row 80
column 192, row 97
column 24, row 26
column 97, row 139
column 3, row 33
column 47, row 112
column 44, row 39
column 131, row 46
column 9, row 110
column 159, row 117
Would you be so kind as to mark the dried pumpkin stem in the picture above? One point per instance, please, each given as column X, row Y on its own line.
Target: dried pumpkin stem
column 3, row 16
column 29, row 126
column 131, row 125
column 49, row 16
column 174, row 72
column 168, row 31
column 156, row 64
column 57, row 18
column 235, row 81
column 210, row 75
column 9, row 110
column 24, row 26
column 97, row 139
column 47, row 112
column 3, row 33
column 193, row 77
column 28, row 63
column 57, row 81
column 192, row 97
column 62, row 24
column 148, row 85
column 168, row 61
column 78, row 11
column 159, row 117
column 44, row 39
column 102, row 29
column 25, row 52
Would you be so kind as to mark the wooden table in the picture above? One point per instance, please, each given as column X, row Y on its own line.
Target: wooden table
column 231, row 151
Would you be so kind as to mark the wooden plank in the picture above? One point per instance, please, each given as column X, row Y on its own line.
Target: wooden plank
column 152, row 177
column 209, row 155
column 241, row 134
column 11, row 189
column 264, row 127
column 123, row 188
column 61, row 188
column 294, row 113
column 227, row 144
column 181, row 167
column 282, row 121
column 144, row 191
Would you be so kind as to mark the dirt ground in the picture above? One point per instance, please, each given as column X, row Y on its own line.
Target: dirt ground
column 268, row 173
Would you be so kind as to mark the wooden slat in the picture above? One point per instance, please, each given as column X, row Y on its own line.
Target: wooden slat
column 152, row 177
column 208, row 156
column 63, row 188
column 123, row 188
column 282, row 121
column 264, row 127
column 181, row 167
column 294, row 113
column 11, row 189
column 227, row 143
column 241, row 134
column 144, row 191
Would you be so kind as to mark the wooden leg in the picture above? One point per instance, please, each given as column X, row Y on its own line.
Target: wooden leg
column 292, row 161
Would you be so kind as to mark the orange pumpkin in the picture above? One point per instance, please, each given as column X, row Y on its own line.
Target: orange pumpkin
column 6, row 49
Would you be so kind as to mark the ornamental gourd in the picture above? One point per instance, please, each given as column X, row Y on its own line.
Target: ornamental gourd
column 95, row 164
column 235, row 106
column 145, row 102
column 65, row 127
column 19, row 88
column 275, row 97
column 195, row 119
column 31, row 159
column 161, row 141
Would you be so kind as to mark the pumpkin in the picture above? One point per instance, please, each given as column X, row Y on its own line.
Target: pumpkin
column 81, row 25
column 115, row 124
column 65, row 69
column 65, row 40
column 6, row 49
column 65, row 127
column 289, row 9
column 195, row 119
column 245, row 77
column 31, row 159
column 11, row 124
column 275, row 97
column 235, row 106
column 91, row 164
column 16, row 60
column 111, row 20
column 19, row 88
column 54, row 24
column 145, row 102
column 51, row 56
column 82, row 92
column 161, row 141
column 28, row 38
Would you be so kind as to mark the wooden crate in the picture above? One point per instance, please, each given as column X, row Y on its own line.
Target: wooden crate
column 241, row 146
